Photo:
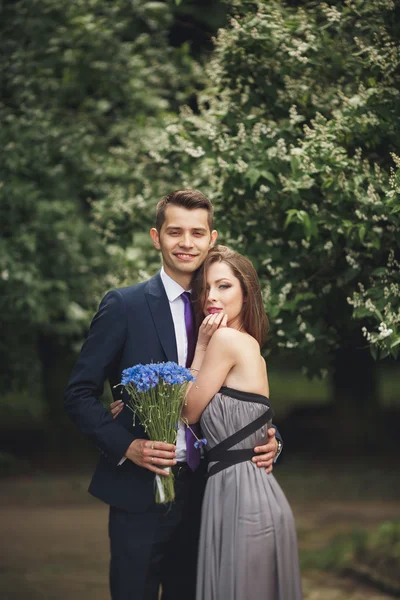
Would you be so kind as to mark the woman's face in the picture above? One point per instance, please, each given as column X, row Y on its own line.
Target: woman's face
column 223, row 293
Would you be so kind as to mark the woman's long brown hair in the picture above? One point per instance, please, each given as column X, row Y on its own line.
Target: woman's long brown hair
column 253, row 316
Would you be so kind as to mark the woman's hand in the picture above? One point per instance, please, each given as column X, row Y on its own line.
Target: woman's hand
column 116, row 408
column 209, row 326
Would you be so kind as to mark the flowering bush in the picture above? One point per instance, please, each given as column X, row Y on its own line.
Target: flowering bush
column 292, row 144
column 380, row 300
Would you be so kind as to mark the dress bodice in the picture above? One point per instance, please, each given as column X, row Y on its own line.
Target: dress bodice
column 234, row 422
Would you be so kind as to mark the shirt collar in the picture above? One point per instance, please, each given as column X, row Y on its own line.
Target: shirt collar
column 172, row 288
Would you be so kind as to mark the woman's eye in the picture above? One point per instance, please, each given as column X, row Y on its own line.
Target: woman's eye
column 224, row 286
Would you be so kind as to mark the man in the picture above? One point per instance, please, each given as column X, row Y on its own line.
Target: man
column 150, row 544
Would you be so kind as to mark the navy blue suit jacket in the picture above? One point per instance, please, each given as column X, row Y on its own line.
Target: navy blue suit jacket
column 133, row 325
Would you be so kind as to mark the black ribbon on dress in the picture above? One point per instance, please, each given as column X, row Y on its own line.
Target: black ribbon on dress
column 221, row 453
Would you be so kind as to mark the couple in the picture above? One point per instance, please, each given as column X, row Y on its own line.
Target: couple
column 248, row 545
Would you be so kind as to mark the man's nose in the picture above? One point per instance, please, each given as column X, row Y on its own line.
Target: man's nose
column 186, row 240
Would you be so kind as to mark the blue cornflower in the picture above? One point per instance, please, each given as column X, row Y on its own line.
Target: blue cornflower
column 200, row 443
column 143, row 377
column 173, row 374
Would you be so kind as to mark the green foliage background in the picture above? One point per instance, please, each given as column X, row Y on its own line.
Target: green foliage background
column 294, row 141
column 289, row 123
column 77, row 78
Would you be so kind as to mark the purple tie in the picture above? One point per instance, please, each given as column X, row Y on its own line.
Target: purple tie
column 192, row 453
column 189, row 324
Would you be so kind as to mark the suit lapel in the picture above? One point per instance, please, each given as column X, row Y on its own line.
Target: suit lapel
column 161, row 313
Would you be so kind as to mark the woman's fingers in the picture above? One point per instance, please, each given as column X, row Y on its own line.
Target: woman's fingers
column 215, row 320
column 116, row 407
column 211, row 319
column 211, row 323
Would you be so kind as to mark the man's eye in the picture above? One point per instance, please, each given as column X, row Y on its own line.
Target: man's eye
column 174, row 233
column 198, row 233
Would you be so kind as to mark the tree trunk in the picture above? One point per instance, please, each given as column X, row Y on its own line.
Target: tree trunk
column 56, row 363
column 358, row 416
column 64, row 441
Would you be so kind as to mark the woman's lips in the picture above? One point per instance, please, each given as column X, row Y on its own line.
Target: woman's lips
column 213, row 309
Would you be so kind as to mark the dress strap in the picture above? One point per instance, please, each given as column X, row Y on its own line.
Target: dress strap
column 224, row 457
column 244, row 396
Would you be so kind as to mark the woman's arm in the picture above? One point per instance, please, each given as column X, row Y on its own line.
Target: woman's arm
column 213, row 364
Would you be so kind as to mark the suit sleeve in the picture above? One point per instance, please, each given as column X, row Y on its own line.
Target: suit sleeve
column 97, row 360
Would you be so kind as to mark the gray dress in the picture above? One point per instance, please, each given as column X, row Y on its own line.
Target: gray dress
column 248, row 544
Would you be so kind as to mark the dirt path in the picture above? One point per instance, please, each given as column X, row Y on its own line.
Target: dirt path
column 54, row 553
column 55, row 548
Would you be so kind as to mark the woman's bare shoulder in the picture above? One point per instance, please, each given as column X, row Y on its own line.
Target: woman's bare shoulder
column 235, row 339
column 226, row 334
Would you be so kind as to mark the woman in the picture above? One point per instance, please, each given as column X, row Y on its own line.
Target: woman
column 248, row 546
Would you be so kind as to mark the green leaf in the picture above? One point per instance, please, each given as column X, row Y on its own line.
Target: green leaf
column 252, row 175
column 395, row 343
column 384, row 353
column 290, row 216
column 376, row 242
column 268, row 176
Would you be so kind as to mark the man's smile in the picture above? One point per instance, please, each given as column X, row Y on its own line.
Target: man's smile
column 184, row 256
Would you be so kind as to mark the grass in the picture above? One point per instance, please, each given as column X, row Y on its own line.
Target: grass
column 371, row 555
column 291, row 388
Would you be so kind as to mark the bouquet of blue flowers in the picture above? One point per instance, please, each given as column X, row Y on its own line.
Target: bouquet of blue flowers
column 156, row 396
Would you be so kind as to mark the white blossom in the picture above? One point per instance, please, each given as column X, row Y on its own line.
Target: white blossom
column 352, row 262
column 291, row 344
column 196, row 152
column 331, row 13
column 241, row 166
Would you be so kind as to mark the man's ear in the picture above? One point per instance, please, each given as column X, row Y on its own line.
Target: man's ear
column 214, row 235
column 155, row 237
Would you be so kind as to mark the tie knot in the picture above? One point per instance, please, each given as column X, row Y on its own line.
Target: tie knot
column 186, row 297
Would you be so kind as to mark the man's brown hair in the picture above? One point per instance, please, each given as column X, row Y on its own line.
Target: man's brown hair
column 253, row 316
column 189, row 199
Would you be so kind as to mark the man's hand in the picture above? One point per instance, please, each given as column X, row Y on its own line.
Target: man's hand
column 149, row 454
column 267, row 453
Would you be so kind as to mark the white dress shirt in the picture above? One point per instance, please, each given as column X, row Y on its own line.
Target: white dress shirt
column 174, row 292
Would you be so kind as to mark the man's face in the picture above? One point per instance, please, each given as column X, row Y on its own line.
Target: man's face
column 184, row 240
